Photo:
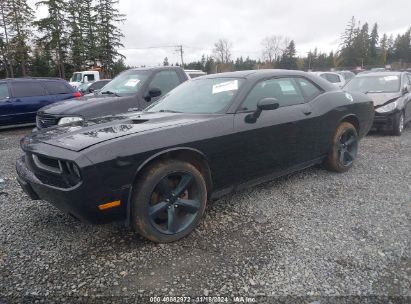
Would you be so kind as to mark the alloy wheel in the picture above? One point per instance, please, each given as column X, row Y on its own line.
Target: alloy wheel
column 347, row 147
column 175, row 203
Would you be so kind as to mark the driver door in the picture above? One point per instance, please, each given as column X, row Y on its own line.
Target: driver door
column 273, row 143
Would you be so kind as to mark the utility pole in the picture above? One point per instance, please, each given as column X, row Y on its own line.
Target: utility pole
column 180, row 50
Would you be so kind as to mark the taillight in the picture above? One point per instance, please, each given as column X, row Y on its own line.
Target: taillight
column 76, row 94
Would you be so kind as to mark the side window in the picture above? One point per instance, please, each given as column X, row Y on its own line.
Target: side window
column 98, row 85
column 27, row 89
column 89, row 76
column 331, row 77
column 56, row 87
column 165, row 81
column 309, row 90
column 4, row 91
column 285, row 90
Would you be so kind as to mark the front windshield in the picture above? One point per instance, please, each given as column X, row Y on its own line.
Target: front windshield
column 199, row 96
column 374, row 84
column 76, row 77
column 128, row 82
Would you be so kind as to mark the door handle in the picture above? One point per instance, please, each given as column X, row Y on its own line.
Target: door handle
column 307, row 112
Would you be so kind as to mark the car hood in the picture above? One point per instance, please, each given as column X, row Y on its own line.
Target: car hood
column 382, row 98
column 81, row 135
column 83, row 105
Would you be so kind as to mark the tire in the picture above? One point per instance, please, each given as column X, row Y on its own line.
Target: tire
column 343, row 150
column 398, row 124
column 169, row 201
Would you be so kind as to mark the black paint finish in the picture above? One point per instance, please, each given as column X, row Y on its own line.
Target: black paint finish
column 111, row 151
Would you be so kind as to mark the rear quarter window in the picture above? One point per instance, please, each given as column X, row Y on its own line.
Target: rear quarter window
column 56, row 87
column 27, row 89
column 309, row 89
column 331, row 77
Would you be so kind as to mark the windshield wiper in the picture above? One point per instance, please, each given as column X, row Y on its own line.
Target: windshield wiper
column 110, row 93
column 170, row 111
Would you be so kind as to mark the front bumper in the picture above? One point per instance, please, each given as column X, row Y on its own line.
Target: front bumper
column 384, row 121
column 80, row 201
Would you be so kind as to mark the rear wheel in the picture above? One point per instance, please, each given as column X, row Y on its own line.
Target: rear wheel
column 343, row 149
column 399, row 124
column 169, row 201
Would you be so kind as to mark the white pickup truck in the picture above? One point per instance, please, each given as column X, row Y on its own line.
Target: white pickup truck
column 85, row 76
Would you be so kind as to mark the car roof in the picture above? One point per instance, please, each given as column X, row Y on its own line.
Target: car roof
column 33, row 78
column 323, row 72
column 382, row 73
column 256, row 73
column 156, row 68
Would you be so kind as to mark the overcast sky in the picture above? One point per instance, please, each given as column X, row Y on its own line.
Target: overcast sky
column 197, row 25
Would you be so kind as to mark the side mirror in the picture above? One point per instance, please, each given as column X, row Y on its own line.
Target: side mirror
column 268, row 104
column 152, row 93
column 91, row 90
column 264, row 104
column 85, row 78
column 406, row 89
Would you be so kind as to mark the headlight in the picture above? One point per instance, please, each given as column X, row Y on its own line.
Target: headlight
column 67, row 120
column 387, row 108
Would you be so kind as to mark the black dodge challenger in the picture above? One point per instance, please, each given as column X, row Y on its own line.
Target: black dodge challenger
column 156, row 169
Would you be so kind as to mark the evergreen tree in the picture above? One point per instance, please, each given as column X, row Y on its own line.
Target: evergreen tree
column 390, row 49
column 19, row 17
column 118, row 67
column 288, row 60
column 347, row 52
column 165, row 62
column 373, row 44
column 76, row 39
column 402, row 47
column 7, row 62
column 88, row 21
column 382, row 56
column 109, row 35
column 54, row 30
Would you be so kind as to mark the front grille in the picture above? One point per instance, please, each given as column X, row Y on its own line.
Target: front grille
column 45, row 121
column 53, row 172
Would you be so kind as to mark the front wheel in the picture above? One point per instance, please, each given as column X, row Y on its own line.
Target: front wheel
column 344, row 148
column 399, row 124
column 168, row 201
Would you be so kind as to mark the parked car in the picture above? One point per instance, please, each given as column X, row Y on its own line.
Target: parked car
column 157, row 168
column 348, row 75
column 20, row 98
column 91, row 87
column 332, row 77
column 80, row 78
column 131, row 90
column 391, row 93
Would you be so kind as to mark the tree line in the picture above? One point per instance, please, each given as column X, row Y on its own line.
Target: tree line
column 359, row 48
column 82, row 34
column 75, row 35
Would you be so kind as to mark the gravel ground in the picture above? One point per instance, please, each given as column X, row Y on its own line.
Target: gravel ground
column 314, row 234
